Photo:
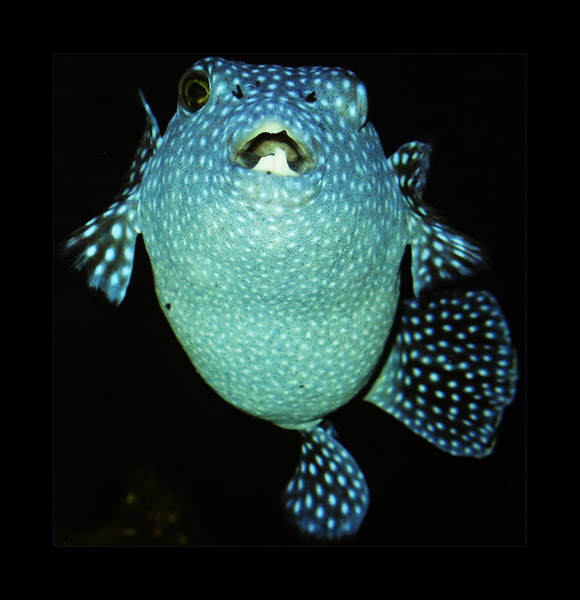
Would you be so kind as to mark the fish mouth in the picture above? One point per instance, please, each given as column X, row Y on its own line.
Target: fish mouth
column 274, row 152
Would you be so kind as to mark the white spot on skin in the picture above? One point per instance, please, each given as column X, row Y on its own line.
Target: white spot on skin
column 90, row 231
column 117, row 231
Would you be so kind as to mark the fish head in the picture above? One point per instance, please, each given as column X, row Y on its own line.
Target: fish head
column 268, row 134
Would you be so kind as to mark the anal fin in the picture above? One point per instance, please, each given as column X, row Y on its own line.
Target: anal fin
column 327, row 497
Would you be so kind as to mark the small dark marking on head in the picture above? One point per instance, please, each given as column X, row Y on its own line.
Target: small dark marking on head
column 238, row 92
column 168, row 306
column 311, row 97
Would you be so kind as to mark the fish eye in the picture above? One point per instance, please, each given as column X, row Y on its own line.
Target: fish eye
column 194, row 90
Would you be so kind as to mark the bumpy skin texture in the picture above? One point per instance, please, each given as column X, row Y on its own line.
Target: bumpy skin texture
column 282, row 290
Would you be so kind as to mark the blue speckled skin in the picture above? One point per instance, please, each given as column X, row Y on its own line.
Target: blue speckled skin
column 276, row 228
column 282, row 289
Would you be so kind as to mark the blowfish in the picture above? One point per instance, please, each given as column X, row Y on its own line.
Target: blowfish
column 276, row 229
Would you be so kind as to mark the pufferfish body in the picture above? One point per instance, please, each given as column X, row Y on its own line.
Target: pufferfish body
column 276, row 229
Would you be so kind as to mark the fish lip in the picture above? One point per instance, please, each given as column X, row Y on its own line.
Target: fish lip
column 261, row 141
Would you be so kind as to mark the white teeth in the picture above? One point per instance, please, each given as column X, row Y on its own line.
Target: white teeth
column 276, row 163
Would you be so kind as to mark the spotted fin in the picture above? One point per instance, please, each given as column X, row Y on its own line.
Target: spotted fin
column 104, row 247
column 451, row 371
column 327, row 497
column 439, row 253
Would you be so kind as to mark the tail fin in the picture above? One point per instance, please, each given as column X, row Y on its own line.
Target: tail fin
column 451, row 371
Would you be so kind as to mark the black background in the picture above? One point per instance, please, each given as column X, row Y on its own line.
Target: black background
column 126, row 395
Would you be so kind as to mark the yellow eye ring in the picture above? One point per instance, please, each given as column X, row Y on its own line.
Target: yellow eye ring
column 194, row 91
